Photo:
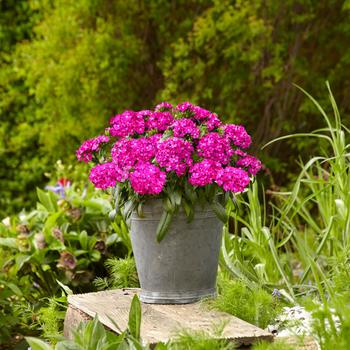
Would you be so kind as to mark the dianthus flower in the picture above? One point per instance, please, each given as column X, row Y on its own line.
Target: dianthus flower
column 163, row 106
column 144, row 113
column 147, row 179
column 174, row 154
column 204, row 172
column 126, row 153
column 106, row 175
column 127, row 123
column 159, row 121
column 185, row 106
column 184, row 126
column 84, row 152
column 238, row 135
column 212, row 122
column 232, row 179
column 216, row 147
column 252, row 164
column 201, row 113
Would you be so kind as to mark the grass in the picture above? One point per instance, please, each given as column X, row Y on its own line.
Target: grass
column 122, row 274
column 255, row 306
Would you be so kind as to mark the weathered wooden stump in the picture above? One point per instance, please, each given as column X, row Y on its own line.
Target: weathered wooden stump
column 159, row 322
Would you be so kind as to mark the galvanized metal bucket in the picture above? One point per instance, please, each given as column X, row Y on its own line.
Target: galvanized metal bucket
column 182, row 268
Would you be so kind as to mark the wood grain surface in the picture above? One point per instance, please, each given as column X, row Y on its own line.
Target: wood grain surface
column 159, row 322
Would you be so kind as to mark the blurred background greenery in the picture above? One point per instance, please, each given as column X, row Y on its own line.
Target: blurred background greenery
column 67, row 66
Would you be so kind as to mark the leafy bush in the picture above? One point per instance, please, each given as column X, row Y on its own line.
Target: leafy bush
column 67, row 238
column 9, row 293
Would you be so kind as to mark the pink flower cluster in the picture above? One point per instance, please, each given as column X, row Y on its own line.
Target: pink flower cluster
column 106, row 175
column 185, row 127
column 150, row 147
column 127, row 123
column 216, row 147
column 238, row 135
column 174, row 154
column 147, row 179
column 128, row 152
column 159, row 121
column 84, row 152
column 233, row 179
column 204, row 172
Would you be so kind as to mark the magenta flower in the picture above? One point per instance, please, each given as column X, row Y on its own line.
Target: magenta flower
column 163, row 106
column 184, row 127
column 126, row 124
column 184, row 140
column 204, row 172
column 216, row 147
column 201, row 113
column 252, row 164
column 126, row 153
column 185, row 106
column 238, row 135
column 233, row 179
column 106, row 175
column 123, row 154
column 147, row 179
column 84, row 152
column 144, row 113
column 175, row 155
column 159, row 121
column 212, row 122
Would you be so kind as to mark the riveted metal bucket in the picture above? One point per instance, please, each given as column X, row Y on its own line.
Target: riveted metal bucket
column 182, row 268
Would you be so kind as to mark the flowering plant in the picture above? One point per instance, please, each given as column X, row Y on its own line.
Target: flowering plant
column 183, row 154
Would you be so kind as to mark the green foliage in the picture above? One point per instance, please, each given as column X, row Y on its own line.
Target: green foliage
column 198, row 341
column 65, row 238
column 93, row 336
column 9, row 293
column 295, row 250
column 51, row 318
column 252, row 305
column 122, row 274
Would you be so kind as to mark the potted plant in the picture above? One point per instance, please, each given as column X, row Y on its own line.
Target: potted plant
column 171, row 171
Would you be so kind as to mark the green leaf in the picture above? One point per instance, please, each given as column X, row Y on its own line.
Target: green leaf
column 163, row 225
column 13, row 287
column 189, row 210
column 68, row 345
column 95, row 255
column 83, row 239
column 46, row 200
column 169, row 206
column 220, row 211
column 37, row 344
column 51, row 223
column 190, row 193
column 111, row 239
column 8, row 242
column 135, row 318
column 65, row 288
